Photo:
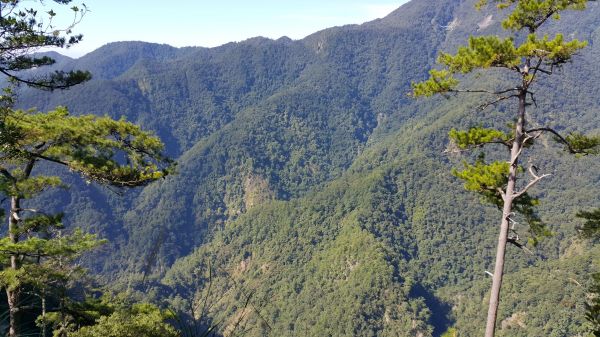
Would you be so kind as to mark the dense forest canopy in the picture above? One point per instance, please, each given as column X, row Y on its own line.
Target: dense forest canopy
column 312, row 195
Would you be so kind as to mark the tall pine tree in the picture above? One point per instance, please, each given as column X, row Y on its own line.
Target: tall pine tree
column 100, row 149
column 37, row 253
column 531, row 61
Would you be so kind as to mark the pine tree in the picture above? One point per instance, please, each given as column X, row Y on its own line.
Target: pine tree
column 37, row 253
column 24, row 30
column 530, row 61
column 110, row 152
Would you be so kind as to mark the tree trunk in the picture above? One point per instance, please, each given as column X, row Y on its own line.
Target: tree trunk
column 490, row 328
column 13, row 295
column 43, row 314
column 13, row 312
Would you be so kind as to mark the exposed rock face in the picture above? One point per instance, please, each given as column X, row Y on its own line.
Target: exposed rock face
column 517, row 320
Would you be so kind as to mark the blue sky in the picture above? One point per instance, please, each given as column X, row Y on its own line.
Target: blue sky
column 215, row 22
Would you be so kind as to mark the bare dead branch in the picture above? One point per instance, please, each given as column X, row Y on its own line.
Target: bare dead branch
column 542, row 70
column 537, row 69
column 525, row 139
column 482, row 91
column 532, row 95
column 501, row 192
column 534, row 181
column 30, row 210
column 543, row 20
column 496, row 101
column 520, row 246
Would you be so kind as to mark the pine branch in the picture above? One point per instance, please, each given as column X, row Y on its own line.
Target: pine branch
column 59, row 81
column 7, row 174
column 542, row 21
column 559, row 137
column 532, row 95
column 50, row 159
column 455, row 149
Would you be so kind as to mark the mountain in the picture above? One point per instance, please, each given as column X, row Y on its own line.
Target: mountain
column 313, row 197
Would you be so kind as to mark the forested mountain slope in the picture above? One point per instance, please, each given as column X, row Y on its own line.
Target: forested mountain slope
column 308, row 178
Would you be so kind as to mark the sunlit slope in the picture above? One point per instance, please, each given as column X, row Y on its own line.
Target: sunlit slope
column 309, row 179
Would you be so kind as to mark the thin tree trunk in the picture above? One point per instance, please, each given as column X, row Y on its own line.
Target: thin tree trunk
column 515, row 152
column 13, row 312
column 13, row 295
column 43, row 314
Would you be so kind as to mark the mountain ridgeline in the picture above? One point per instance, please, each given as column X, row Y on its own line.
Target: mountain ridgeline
column 313, row 197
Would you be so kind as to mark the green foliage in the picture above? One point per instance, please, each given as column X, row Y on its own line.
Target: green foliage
column 26, row 30
column 36, row 257
column 531, row 14
column 452, row 332
column 340, row 255
column 440, row 81
column 36, row 254
column 111, row 317
column 88, row 144
column 582, row 144
column 43, row 224
column 67, row 246
column 141, row 320
column 591, row 230
column 476, row 137
column 486, row 179
column 81, row 312
column 489, row 180
column 553, row 52
column 29, row 187
column 482, row 52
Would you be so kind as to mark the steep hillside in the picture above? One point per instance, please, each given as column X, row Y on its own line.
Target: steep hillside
column 310, row 182
column 284, row 115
